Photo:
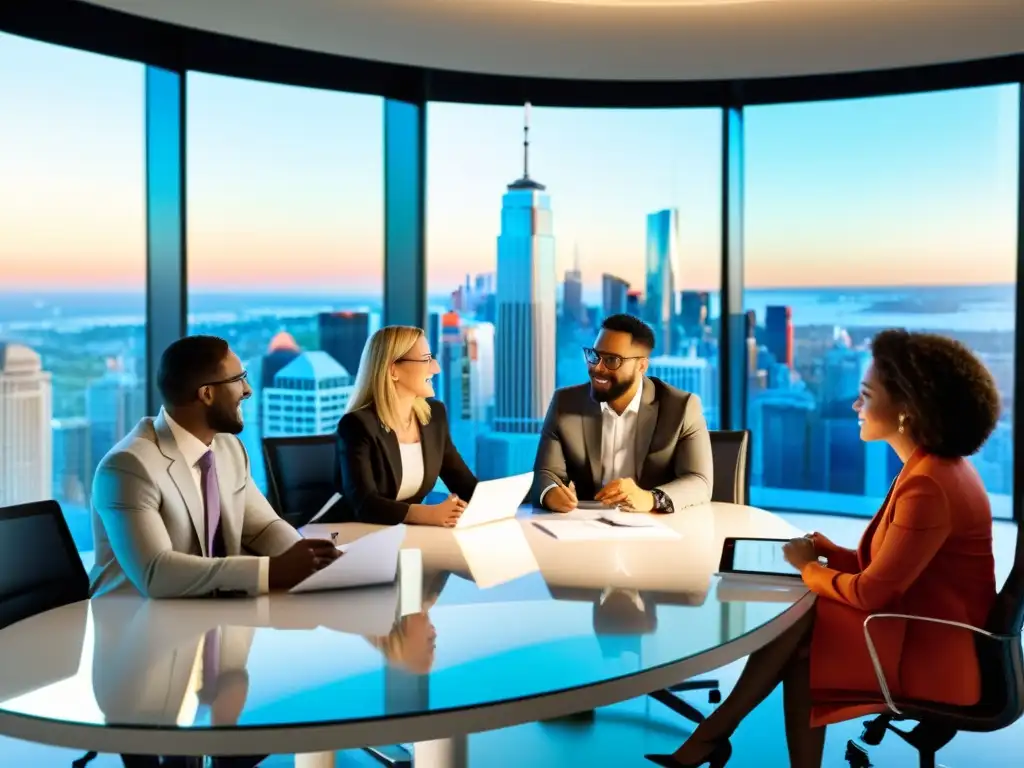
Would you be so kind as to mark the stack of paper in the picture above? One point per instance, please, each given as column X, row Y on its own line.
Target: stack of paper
column 373, row 559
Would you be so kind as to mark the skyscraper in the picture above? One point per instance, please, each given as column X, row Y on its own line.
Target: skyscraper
column 661, row 267
column 114, row 404
column 526, row 299
column 778, row 333
column 526, row 326
column 634, row 303
column 693, row 312
column 72, row 460
column 26, row 441
column 308, row 397
column 343, row 336
column 692, row 374
column 614, row 295
column 573, row 309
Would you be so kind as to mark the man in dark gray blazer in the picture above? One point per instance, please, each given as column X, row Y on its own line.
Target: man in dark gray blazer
column 624, row 439
column 175, row 512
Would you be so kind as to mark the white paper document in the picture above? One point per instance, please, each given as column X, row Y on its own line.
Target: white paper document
column 591, row 530
column 610, row 515
column 373, row 559
column 495, row 500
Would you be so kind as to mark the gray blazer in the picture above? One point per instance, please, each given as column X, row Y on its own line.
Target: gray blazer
column 673, row 447
column 147, row 519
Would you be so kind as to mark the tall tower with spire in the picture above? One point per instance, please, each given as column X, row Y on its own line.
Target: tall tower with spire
column 526, row 319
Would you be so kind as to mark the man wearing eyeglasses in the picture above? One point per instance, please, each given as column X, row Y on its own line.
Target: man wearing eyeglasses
column 175, row 512
column 624, row 440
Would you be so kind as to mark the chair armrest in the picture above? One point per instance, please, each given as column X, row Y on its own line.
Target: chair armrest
column 877, row 664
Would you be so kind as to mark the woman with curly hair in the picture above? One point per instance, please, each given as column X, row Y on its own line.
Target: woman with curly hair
column 927, row 552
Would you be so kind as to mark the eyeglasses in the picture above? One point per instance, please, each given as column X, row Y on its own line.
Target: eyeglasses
column 243, row 376
column 427, row 359
column 611, row 362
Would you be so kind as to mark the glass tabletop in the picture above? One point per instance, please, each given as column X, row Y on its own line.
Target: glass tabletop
column 498, row 613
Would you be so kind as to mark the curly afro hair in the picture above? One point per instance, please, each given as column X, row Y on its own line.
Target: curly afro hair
column 949, row 396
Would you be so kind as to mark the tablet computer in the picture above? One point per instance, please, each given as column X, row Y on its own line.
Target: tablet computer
column 755, row 557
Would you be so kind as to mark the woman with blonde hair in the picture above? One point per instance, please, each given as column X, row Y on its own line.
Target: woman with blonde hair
column 394, row 441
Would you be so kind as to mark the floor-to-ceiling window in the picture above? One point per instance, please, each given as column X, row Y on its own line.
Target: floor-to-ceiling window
column 530, row 247
column 285, row 242
column 863, row 215
column 72, row 269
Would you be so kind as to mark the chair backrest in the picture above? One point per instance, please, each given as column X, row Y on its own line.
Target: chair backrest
column 730, row 450
column 39, row 564
column 1002, row 664
column 301, row 473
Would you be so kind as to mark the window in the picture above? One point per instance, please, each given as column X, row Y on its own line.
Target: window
column 527, row 251
column 72, row 270
column 863, row 215
column 285, row 241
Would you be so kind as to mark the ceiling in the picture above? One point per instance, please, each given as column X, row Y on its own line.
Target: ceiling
column 619, row 39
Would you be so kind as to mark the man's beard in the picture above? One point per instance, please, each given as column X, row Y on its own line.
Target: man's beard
column 616, row 389
column 222, row 419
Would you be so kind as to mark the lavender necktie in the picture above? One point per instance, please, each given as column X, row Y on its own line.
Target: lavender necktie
column 211, row 497
column 211, row 503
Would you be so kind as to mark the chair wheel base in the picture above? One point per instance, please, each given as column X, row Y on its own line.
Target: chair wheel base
column 856, row 755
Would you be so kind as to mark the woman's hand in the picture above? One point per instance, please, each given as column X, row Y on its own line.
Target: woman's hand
column 799, row 552
column 444, row 514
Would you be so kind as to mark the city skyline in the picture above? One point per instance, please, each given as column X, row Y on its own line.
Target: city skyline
column 291, row 179
column 285, row 204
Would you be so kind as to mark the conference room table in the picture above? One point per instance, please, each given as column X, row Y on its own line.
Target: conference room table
column 486, row 627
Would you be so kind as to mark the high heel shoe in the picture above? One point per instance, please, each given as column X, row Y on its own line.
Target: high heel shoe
column 716, row 758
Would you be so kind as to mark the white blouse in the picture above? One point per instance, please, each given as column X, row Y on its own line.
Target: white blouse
column 412, row 470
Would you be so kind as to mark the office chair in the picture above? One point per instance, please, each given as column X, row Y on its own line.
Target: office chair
column 731, row 453
column 40, row 569
column 301, row 475
column 1002, row 680
column 39, row 564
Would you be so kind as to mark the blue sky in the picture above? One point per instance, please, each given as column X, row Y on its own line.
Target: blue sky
column 286, row 184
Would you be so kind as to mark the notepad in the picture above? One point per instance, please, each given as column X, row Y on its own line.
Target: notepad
column 373, row 559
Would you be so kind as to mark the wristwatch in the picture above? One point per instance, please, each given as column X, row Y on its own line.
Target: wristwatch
column 662, row 502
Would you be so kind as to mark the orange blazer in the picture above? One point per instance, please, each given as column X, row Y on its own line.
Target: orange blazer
column 927, row 552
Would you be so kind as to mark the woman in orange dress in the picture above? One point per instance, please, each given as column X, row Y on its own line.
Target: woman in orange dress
column 927, row 552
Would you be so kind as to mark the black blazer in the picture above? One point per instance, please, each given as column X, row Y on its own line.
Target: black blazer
column 370, row 466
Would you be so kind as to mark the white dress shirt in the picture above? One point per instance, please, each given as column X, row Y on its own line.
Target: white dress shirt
column 618, row 442
column 193, row 449
column 412, row 470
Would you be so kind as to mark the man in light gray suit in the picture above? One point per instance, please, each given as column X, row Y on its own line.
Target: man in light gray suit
column 625, row 439
column 175, row 512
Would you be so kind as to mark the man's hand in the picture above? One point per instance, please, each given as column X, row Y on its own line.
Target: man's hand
column 300, row 561
column 627, row 495
column 561, row 498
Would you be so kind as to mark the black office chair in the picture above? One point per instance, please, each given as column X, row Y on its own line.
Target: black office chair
column 1002, row 680
column 40, row 570
column 301, row 475
column 731, row 453
column 39, row 564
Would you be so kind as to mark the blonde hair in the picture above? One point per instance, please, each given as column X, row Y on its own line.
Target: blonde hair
column 374, row 385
